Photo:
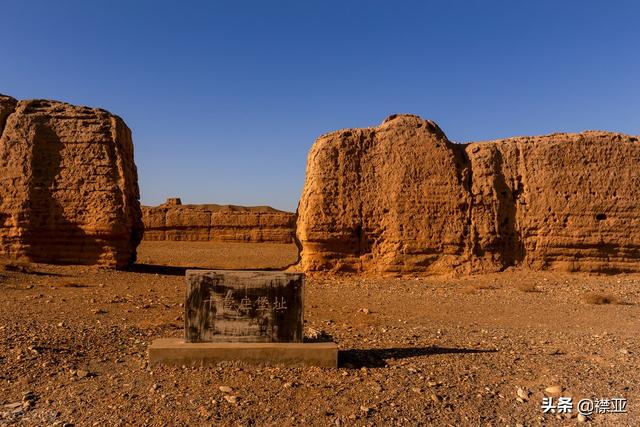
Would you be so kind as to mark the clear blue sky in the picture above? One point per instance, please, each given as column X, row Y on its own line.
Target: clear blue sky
column 225, row 98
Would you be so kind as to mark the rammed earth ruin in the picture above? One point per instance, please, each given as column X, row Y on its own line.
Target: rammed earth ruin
column 223, row 223
column 68, row 185
column 402, row 198
column 397, row 198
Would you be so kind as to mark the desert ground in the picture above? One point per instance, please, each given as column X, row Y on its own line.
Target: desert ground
column 474, row 350
column 223, row 255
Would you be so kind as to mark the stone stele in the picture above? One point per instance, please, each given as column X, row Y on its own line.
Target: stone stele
column 243, row 306
column 251, row 316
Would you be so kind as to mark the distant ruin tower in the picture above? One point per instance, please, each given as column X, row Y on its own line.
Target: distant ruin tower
column 173, row 201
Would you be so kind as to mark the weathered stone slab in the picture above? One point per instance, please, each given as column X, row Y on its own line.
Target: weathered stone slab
column 174, row 351
column 243, row 306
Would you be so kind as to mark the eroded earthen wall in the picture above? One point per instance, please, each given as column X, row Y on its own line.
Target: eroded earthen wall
column 218, row 223
column 68, row 186
column 563, row 201
column 369, row 205
column 402, row 198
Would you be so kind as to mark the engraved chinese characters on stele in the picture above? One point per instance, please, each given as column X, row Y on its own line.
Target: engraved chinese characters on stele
column 243, row 306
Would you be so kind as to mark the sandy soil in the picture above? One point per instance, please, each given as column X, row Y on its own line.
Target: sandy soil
column 217, row 254
column 439, row 351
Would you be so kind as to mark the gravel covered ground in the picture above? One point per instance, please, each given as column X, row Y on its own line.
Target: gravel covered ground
column 477, row 350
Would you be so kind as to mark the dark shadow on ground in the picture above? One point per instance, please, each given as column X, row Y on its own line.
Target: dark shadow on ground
column 46, row 273
column 377, row 357
column 38, row 273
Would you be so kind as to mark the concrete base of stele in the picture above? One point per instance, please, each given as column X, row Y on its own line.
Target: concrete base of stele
column 175, row 351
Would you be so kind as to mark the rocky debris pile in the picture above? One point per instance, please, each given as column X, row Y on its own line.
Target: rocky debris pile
column 401, row 197
column 175, row 221
column 13, row 412
column 68, row 185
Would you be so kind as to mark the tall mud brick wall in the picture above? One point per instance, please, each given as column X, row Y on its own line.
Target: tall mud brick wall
column 175, row 221
column 68, row 185
column 402, row 198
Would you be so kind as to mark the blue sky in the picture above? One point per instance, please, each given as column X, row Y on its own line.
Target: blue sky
column 225, row 98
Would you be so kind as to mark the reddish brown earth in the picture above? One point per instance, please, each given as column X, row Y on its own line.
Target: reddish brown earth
column 217, row 255
column 68, row 184
column 401, row 197
column 438, row 350
column 222, row 223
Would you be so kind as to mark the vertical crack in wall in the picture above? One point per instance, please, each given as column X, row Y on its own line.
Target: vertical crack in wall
column 465, row 176
column 520, row 190
column 492, row 207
